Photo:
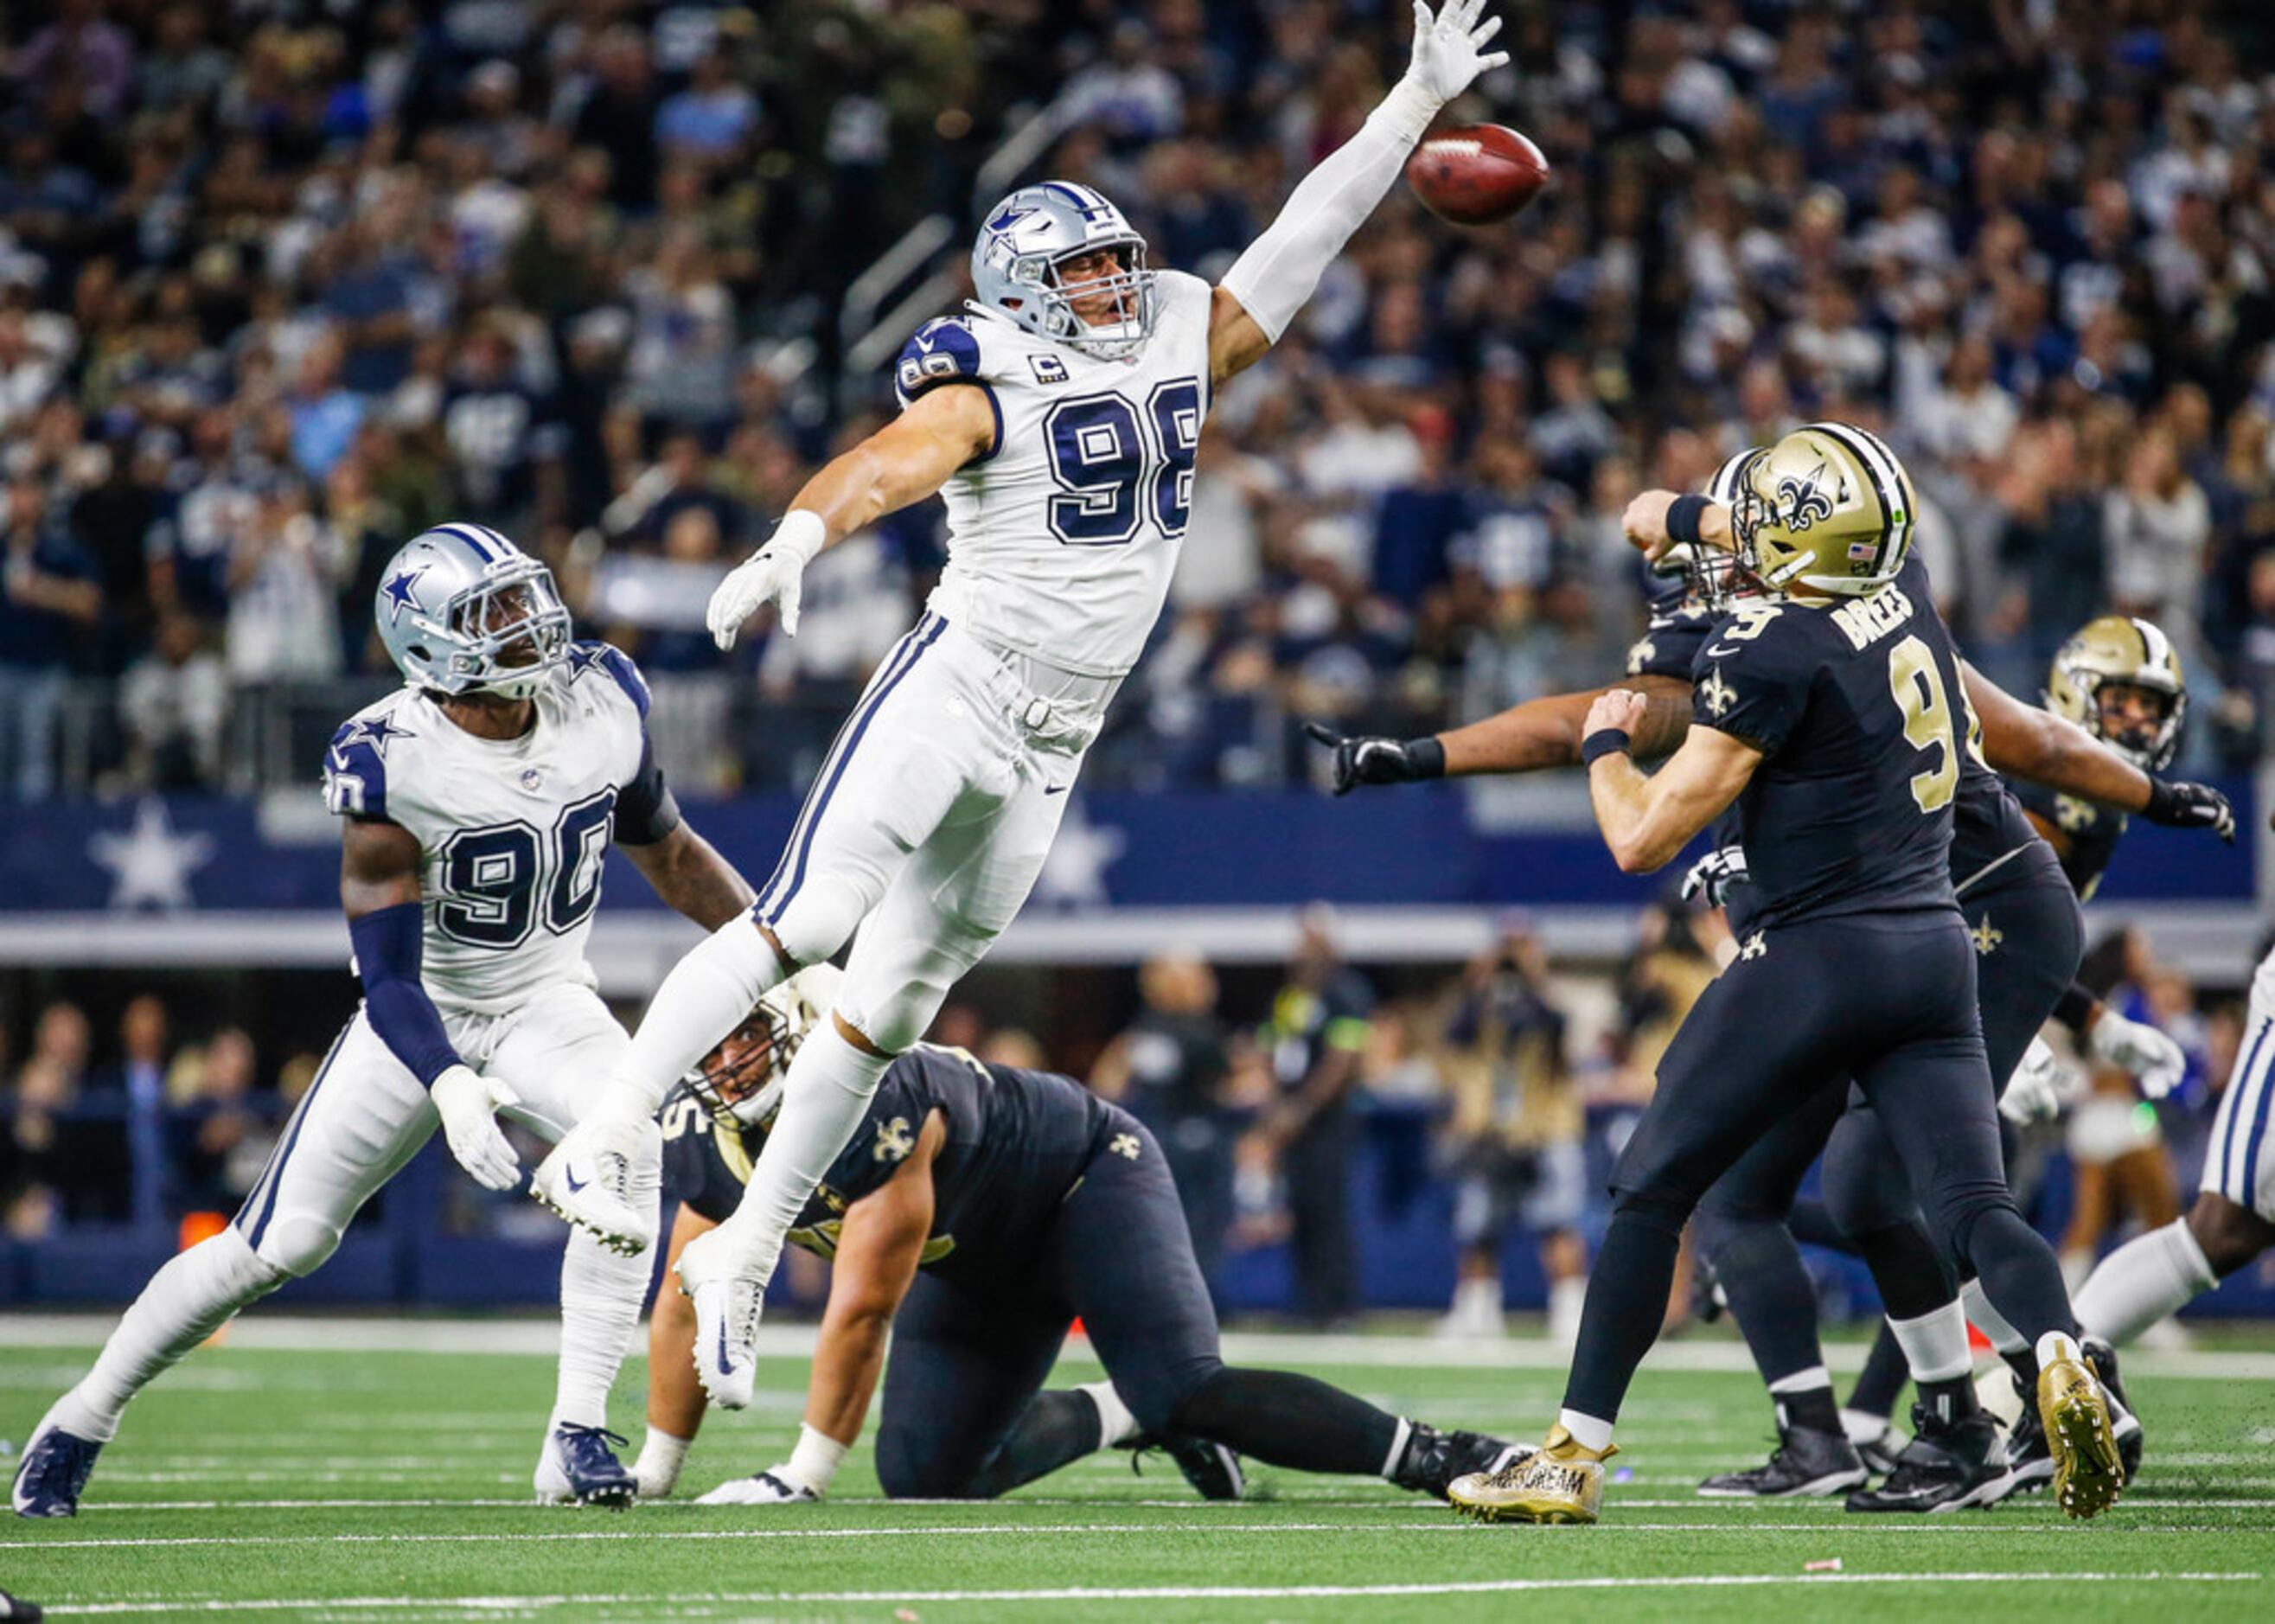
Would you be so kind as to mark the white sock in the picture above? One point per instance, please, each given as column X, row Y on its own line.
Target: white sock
column 814, row 1462
column 600, row 1295
column 1586, row 1430
column 1935, row 1344
column 708, row 994
column 1568, row 1299
column 185, row 1301
column 660, row 1457
column 1115, row 1423
column 828, row 1087
column 1397, row 1455
column 2148, row 1278
column 1989, row 1320
column 1861, row 1426
column 1478, row 1298
column 2056, row 1346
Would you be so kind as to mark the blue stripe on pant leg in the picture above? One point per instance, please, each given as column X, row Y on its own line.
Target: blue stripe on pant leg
column 886, row 674
column 273, row 1176
column 2235, row 1107
column 2248, row 1197
column 829, row 787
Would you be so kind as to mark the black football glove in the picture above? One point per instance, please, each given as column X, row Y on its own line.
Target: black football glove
column 2191, row 806
column 1375, row 761
column 1714, row 875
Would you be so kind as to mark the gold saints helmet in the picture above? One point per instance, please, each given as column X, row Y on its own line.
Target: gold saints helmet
column 740, row 1081
column 1828, row 507
column 2117, row 652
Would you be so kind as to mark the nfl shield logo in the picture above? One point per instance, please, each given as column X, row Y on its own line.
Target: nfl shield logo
column 531, row 778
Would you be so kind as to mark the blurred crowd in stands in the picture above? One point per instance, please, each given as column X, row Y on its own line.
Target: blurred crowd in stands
column 1311, row 1107
column 282, row 282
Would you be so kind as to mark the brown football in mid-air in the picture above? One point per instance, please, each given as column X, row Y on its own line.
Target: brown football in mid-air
column 1477, row 175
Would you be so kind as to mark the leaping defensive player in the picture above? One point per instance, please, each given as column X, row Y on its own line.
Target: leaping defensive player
column 1062, row 415
column 978, row 1210
column 477, row 802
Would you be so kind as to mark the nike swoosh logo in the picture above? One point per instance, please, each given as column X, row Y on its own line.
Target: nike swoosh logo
column 722, row 1348
column 1727, row 648
column 569, row 1178
column 1057, row 789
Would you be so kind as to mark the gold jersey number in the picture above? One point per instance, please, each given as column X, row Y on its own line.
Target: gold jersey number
column 1917, row 684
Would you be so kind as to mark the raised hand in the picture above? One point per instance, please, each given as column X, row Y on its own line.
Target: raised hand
column 1449, row 49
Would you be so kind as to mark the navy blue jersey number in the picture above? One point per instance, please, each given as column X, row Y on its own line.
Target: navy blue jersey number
column 493, row 878
column 1106, row 458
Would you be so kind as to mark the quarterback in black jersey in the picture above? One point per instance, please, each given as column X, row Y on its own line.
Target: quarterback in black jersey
column 1832, row 717
column 977, row 1211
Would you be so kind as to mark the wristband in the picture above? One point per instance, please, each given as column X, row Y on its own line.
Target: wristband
column 1425, row 757
column 2159, row 808
column 2075, row 1007
column 1682, row 516
column 1603, row 741
column 802, row 533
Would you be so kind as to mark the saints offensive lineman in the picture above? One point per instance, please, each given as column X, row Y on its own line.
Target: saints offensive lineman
column 976, row 1212
column 477, row 802
column 1826, row 715
column 1062, row 415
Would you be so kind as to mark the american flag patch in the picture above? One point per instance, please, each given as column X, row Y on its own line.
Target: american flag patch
column 1860, row 551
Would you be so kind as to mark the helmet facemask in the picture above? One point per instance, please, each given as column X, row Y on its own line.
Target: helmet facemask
column 506, row 632
column 740, row 1081
column 2150, row 744
column 1127, row 291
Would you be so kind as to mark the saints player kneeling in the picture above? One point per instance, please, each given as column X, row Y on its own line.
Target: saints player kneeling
column 477, row 802
column 976, row 1213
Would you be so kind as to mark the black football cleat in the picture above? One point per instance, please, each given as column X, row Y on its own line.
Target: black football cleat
column 2030, row 1462
column 1948, row 1466
column 1807, row 1465
column 2122, row 1421
column 1212, row 1470
column 1433, row 1459
column 53, row 1472
column 1880, row 1452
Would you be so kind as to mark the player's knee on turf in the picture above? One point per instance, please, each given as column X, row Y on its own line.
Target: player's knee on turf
column 297, row 1245
column 2230, row 1236
column 907, row 1472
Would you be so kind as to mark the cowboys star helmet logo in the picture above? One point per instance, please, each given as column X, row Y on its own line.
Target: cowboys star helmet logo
column 1803, row 502
column 894, row 1141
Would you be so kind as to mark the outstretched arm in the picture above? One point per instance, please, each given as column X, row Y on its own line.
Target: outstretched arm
column 2030, row 742
column 1269, row 283
column 1646, row 820
column 1529, row 737
column 905, row 461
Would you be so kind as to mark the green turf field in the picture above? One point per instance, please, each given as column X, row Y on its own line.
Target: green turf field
column 329, row 1470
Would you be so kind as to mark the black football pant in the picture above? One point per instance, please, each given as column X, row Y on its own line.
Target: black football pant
column 965, row 1414
column 1885, row 999
column 2028, row 937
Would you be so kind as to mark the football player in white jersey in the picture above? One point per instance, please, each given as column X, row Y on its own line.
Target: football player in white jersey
column 478, row 802
column 2233, row 1222
column 1060, row 418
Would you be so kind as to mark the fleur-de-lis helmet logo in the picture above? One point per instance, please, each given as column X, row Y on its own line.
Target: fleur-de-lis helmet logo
column 1803, row 500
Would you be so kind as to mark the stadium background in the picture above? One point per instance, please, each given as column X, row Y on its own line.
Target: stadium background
column 282, row 285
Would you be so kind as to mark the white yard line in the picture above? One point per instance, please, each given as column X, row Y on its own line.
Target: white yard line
column 1229, row 1592
column 313, row 1333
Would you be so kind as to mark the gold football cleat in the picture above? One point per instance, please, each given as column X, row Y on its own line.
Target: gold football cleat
column 1561, row 1482
column 2071, row 1407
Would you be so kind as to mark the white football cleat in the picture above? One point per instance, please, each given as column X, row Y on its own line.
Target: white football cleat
column 605, row 1175
column 714, row 1273
column 773, row 1487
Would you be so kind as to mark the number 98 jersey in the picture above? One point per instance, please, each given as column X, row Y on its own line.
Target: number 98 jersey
column 1063, row 536
column 513, row 832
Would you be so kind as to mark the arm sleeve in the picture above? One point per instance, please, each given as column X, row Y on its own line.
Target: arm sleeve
column 1277, row 274
column 646, row 810
column 387, row 954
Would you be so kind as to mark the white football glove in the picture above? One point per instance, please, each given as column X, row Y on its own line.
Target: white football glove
column 2157, row 1062
column 468, row 1103
column 777, row 1487
column 2040, row 1087
column 1450, row 50
column 771, row 574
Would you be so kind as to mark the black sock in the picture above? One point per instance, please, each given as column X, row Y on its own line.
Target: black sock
column 1283, row 1419
column 1811, row 1409
column 1054, row 1429
column 1949, row 1400
column 1627, row 1300
column 1769, row 1290
column 1882, row 1384
column 1912, row 1275
column 2022, row 1278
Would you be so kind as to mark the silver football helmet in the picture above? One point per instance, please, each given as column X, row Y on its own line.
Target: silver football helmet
column 462, row 610
column 740, row 1081
column 1027, row 236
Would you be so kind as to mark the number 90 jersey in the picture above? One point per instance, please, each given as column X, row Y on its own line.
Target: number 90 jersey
column 513, row 832
column 1063, row 539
